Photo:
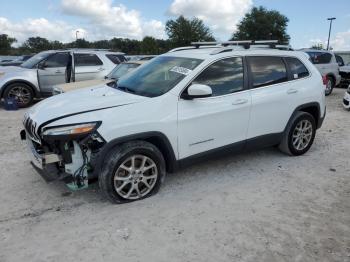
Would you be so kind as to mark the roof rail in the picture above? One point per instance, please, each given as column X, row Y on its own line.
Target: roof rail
column 189, row 48
column 245, row 43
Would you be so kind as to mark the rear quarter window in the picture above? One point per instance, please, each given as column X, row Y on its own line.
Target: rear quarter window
column 297, row 68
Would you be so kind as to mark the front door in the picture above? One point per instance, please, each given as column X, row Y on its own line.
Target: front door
column 219, row 120
column 53, row 71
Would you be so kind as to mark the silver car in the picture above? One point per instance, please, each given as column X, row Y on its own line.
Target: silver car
column 327, row 65
column 36, row 77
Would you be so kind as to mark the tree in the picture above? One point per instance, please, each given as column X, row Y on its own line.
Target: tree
column 149, row 46
column 318, row 46
column 183, row 31
column 36, row 44
column 263, row 24
column 5, row 44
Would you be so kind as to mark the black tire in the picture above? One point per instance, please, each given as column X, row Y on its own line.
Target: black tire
column 286, row 145
column 22, row 92
column 329, row 91
column 117, row 156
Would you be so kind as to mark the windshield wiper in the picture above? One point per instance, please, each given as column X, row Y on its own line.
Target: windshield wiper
column 125, row 89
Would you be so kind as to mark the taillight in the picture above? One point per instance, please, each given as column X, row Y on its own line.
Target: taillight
column 324, row 79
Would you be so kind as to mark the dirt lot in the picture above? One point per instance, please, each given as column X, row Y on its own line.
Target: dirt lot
column 260, row 206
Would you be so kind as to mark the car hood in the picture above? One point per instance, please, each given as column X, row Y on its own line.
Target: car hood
column 80, row 101
column 10, row 69
column 81, row 84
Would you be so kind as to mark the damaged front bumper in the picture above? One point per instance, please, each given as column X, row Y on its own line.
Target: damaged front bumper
column 67, row 159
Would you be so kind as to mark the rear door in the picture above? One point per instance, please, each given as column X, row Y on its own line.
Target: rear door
column 274, row 98
column 52, row 71
column 88, row 66
column 219, row 120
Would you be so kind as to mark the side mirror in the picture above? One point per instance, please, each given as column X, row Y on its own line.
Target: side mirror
column 41, row 65
column 197, row 91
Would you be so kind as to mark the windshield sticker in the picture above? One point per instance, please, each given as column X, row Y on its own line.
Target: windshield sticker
column 181, row 70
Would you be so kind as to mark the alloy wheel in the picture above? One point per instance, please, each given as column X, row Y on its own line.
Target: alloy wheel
column 302, row 134
column 21, row 94
column 135, row 177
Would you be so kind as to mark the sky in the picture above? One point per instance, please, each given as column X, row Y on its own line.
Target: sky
column 105, row 19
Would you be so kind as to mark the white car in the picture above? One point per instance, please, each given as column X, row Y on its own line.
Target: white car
column 36, row 76
column 182, row 106
column 118, row 72
column 326, row 63
column 346, row 99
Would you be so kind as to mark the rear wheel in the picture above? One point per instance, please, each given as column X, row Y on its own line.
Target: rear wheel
column 299, row 135
column 22, row 93
column 329, row 86
column 132, row 171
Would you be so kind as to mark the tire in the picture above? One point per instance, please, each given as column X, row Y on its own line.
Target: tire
column 290, row 141
column 117, row 176
column 329, row 86
column 23, row 94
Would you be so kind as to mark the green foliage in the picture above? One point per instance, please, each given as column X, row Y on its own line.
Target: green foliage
column 183, row 31
column 318, row 46
column 263, row 24
column 5, row 43
column 36, row 44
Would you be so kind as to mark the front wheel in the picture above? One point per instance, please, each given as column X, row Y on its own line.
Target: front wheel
column 299, row 135
column 22, row 93
column 132, row 171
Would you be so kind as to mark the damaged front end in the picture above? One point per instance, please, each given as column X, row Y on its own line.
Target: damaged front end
column 66, row 153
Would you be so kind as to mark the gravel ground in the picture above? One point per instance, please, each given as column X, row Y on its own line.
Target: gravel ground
column 259, row 206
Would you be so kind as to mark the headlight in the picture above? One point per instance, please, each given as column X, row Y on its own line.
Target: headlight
column 71, row 130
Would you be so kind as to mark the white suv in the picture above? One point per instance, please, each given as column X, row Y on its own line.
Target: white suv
column 326, row 63
column 36, row 77
column 182, row 106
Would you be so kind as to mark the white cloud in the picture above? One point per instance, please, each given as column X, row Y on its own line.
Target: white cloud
column 52, row 30
column 341, row 41
column 107, row 20
column 221, row 16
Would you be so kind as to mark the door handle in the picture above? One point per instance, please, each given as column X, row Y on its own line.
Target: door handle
column 292, row 91
column 58, row 72
column 240, row 102
column 101, row 69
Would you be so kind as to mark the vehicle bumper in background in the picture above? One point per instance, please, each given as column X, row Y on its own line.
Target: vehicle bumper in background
column 346, row 100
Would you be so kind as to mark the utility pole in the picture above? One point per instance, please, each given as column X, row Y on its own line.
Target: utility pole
column 330, row 29
column 76, row 35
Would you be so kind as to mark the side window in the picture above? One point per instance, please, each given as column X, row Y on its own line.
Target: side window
column 320, row 57
column 57, row 60
column 116, row 59
column 224, row 77
column 87, row 60
column 267, row 70
column 340, row 60
column 297, row 68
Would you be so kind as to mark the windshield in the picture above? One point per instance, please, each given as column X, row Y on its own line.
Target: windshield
column 121, row 70
column 34, row 60
column 158, row 76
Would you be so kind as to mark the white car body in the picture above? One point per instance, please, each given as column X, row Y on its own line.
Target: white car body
column 42, row 79
column 190, row 127
column 117, row 72
column 346, row 99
